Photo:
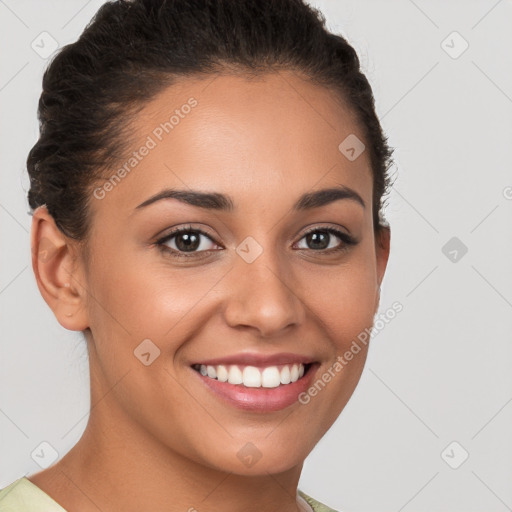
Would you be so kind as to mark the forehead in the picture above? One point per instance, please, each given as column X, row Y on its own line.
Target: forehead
column 247, row 136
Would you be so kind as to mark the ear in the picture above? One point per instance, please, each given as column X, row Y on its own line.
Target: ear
column 58, row 271
column 382, row 248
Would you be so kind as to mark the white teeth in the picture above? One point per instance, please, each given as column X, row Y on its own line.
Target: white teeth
column 212, row 372
column 253, row 377
column 222, row 373
column 294, row 374
column 285, row 375
column 235, row 375
column 270, row 377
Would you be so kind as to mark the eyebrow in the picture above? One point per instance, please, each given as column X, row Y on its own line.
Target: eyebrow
column 222, row 202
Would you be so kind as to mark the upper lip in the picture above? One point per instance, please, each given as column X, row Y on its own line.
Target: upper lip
column 257, row 359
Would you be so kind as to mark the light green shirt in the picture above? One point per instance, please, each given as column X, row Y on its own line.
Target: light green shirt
column 24, row 496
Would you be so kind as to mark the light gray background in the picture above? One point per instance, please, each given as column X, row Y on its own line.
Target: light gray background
column 440, row 371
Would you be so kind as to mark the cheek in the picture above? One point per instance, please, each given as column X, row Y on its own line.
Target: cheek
column 349, row 311
column 138, row 294
column 136, row 301
column 344, row 300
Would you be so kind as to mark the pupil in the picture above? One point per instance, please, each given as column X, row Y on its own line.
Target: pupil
column 187, row 242
column 319, row 236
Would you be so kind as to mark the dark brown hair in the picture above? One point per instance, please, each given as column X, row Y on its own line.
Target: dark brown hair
column 132, row 50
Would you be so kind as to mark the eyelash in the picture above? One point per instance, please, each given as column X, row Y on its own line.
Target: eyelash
column 346, row 239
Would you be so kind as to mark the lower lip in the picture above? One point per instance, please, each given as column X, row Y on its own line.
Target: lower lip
column 260, row 399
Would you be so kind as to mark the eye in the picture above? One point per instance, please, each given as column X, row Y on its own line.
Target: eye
column 186, row 240
column 190, row 242
column 324, row 239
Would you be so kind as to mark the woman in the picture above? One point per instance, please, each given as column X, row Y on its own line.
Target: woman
column 207, row 209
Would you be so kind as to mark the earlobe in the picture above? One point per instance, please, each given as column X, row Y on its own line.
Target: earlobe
column 57, row 271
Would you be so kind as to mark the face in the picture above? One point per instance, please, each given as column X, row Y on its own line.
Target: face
column 263, row 268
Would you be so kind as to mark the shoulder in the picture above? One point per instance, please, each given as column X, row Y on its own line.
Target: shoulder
column 24, row 496
column 315, row 505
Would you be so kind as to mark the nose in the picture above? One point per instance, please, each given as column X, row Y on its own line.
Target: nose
column 263, row 296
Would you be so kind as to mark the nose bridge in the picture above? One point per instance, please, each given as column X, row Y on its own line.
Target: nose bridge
column 261, row 292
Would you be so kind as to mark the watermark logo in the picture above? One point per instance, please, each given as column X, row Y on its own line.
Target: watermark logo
column 44, row 45
column 454, row 455
column 46, row 250
column 44, row 454
column 351, row 147
column 146, row 352
column 249, row 455
column 249, row 249
column 454, row 45
column 454, row 249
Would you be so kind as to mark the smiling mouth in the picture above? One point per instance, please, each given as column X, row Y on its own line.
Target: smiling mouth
column 253, row 376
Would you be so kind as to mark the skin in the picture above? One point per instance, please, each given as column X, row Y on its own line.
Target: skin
column 156, row 428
